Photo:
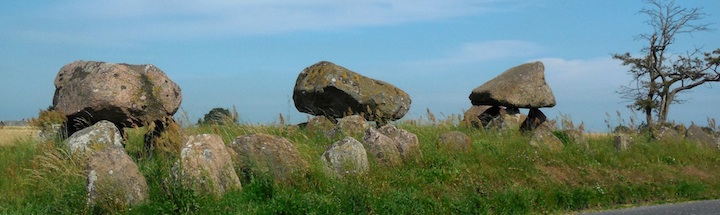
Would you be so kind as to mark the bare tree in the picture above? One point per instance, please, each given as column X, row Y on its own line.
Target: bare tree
column 659, row 74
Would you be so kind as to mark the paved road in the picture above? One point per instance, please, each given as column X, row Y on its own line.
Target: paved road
column 709, row 207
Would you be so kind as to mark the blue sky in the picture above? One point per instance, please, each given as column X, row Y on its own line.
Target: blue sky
column 248, row 54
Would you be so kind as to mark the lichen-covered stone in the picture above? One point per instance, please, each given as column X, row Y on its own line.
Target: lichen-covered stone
column 101, row 134
column 334, row 91
column 382, row 148
column 346, row 157
column 206, row 165
column 267, row 154
column 522, row 86
column 124, row 94
column 114, row 180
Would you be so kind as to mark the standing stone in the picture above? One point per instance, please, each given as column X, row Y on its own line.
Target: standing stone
column 124, row 94
column 472, row 115
column 346, row 157
column 334, row 91
column 114, row 180
column 534, row 119
column 267, row 154
column 622, row 142
column 207, row 167
column 522, row 86
column 101, row 134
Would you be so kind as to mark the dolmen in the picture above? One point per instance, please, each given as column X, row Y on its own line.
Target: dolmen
column 125, row 94
column 522, row 86
column 330, row 90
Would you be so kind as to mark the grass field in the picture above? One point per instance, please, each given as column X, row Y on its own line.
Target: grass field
column 501, row 174
column 12, row 134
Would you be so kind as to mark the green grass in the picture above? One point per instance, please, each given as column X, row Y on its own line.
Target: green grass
column 501, row 174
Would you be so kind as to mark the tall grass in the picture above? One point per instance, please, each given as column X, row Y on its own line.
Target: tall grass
column 501, row 174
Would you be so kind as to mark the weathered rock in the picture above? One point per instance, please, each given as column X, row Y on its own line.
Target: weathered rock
column 666, row 134
column 346, row 157
column 334, row 91
column 352, row 125
column 507, row 121
column 124, row 94
column 522, row 86
column 543, row 136
column 534, row 119
column 455, row 140
column 103, row 133
column 206, row 165
column 267, row 154
column 472, row 115
column 321, row 125
column 622, row 142
column 697, row 134
column 407, row 143
column 114, row 180
column 382, row 148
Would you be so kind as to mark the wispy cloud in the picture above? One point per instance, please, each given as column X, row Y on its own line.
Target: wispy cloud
column 186, row 19
column 476, row 52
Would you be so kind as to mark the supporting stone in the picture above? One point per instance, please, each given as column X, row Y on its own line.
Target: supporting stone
column 534, row 119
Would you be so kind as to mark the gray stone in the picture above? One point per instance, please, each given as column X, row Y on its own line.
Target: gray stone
column 382, row 148
column 114, row 180
column 124, row 94
column 267, row 154
column 622, row 142
column 666, row 134
column 522, row 86
column 697, row 134
column 346, row 157
column 543, row 136
column 206, row 166
column 352, row 125
column 334, row 91
column 472, row 115
column 103, row 133
column 455, row 140
column 407, row 143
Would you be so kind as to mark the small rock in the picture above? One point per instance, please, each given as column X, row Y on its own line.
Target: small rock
column 407, row 143
column 382, row 147
column 455, row 140
column 697, row 134
column 103, row 133
column 346, row 157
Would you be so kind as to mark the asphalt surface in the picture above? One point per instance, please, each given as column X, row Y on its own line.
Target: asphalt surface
column 709, row 207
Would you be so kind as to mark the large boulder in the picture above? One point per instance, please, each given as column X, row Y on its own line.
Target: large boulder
column 114, row 181
column 346, row 157
column 334, row 91
column 522, row 86
column 267, row 154
column 103, row 133
column 124, row 94
column 206, row 165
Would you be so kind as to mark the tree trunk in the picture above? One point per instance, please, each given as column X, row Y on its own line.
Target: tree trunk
column 667, row 99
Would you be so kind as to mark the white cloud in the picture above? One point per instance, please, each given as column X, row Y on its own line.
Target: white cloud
column 139, row 19
column 476, row 52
